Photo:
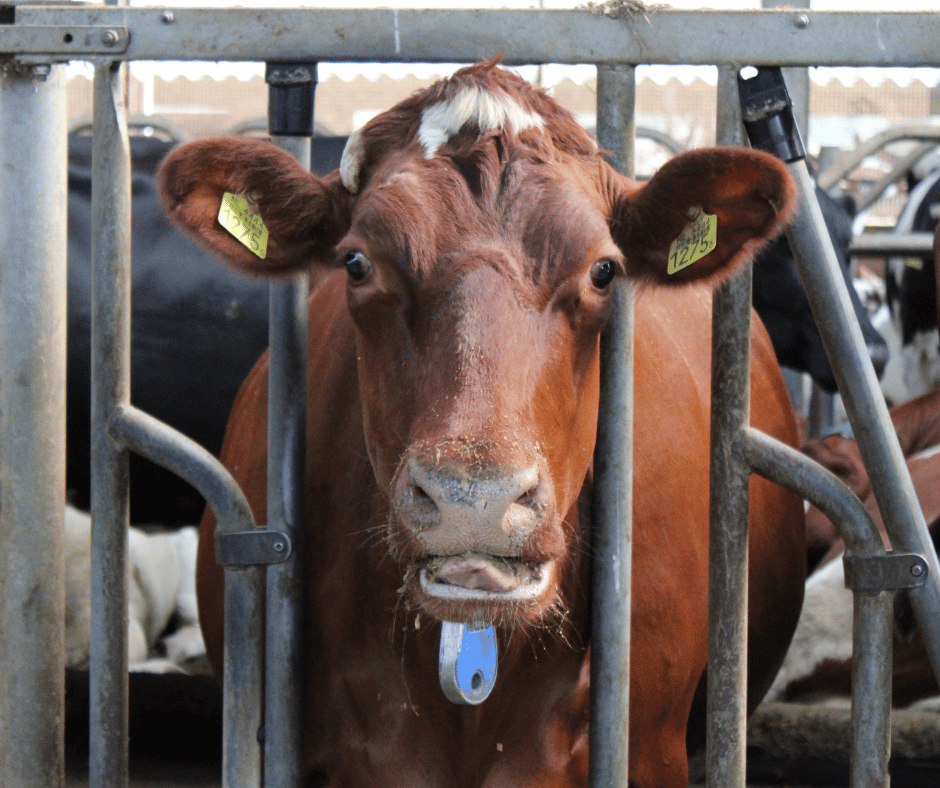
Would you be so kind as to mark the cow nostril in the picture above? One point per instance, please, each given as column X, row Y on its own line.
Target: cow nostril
column 530, row 497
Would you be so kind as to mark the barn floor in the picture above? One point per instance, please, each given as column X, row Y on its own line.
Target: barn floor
column 175, row 729
column 148, row 773
column 176, row 732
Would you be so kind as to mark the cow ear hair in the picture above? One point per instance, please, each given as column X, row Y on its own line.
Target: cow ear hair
column 305, row 216
column 750, row 194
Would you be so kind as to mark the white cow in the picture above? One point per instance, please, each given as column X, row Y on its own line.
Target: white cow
column 161, row 582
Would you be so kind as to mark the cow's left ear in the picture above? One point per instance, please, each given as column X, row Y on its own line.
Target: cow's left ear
column 702, row 216
column 253, row 205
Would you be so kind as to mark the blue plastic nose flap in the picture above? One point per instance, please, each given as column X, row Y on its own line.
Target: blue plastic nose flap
column 467, row 664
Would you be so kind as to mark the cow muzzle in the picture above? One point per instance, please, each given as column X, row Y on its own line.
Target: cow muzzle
column 450, row 511
column 474, row 537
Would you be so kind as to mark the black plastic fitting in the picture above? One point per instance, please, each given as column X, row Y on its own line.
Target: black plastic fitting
column 768, row 114
column 291, row 88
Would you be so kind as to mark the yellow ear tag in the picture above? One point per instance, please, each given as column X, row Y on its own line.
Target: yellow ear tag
column 694, row 242
column 238, row 216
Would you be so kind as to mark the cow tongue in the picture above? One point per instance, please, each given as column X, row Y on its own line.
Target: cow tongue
column 479, row 573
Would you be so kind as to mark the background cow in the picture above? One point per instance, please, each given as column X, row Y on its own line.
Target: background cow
column 161, row 583
column 196, row 330
column 819, row 663
column 781, row 302
column 453, row 394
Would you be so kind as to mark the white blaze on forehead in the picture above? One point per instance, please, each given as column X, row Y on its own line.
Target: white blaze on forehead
column 351, row 163
column 490, row 111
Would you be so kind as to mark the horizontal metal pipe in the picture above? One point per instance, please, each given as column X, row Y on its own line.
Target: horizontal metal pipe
column 786, row 37
column 890, row 244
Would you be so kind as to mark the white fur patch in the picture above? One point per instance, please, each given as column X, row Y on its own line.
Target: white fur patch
column 351, row 163
column 490, row 111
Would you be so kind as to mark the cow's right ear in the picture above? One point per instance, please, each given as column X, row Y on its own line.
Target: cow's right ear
column 305, row 216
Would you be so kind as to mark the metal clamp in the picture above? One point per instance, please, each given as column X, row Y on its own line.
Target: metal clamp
column 884, row 572
column 251, row 548
column 69, row 40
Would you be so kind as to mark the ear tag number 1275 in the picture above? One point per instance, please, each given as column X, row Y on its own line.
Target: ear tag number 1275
column 238, row 216
column 694, row 242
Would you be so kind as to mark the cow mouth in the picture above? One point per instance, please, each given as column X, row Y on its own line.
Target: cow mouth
column 476, row 577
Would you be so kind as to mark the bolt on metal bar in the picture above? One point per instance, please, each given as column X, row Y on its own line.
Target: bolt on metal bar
column 291, row 117
column 110, row 377
column 32, row 423
column 873, row 611
column 242, row 696
column 244, row 589
column 613, row 476
column 789, row 37
column 728, row 540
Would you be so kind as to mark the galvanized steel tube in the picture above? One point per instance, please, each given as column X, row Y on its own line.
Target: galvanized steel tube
column 873, row 616
column 110, row 379
column 728, row 506
column 287, row 423
column 244, row 586
column 613, row 478
column 164, row 445
column 864, row 403
column 872, row 647
column 32, row 423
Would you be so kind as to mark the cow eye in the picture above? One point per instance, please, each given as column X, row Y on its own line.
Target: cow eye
column 358, row 266
column 602, row 273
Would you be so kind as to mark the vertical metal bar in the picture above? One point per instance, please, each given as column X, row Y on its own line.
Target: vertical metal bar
column 32, row 423
column 613, row 476
column 291, row 93
column 287, row 423
column 727, row 604
column 110, row 389
column 872, row 647
column 242, row 666
column 873, row 623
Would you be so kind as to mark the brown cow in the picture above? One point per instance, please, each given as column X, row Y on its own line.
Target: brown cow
column 453, row 400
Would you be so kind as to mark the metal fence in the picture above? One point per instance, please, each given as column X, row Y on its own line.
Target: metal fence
column 38, row 38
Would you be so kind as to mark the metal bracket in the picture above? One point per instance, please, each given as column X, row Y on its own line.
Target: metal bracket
column 68, row 40
column 251, row 548
column 888, row 572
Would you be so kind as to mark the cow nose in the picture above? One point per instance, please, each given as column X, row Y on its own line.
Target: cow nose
column 451, row 512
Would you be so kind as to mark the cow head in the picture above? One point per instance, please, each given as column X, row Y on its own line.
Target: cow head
column 481, row 231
